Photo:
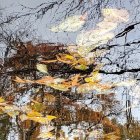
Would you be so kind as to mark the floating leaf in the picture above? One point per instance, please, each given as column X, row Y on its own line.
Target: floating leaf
column 111, row 136
column 50, row 98
column 81, row 67
column 71, row 24
column 49, row 117
column 12, row 110
column 23, row 117
column 115, row 15
column 45, row 80
column 19, row 80
column 34, row 114
column 126, row 83
column 94, row 38
column 94, row 78
column 75, row 80
column 1, row 100
column 42, row 120
column 90, row 87
column 46, row 135
column 60, row 87
column 42, row 68
column 108, row 26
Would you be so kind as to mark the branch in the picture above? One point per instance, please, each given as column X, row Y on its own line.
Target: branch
column 120, row 72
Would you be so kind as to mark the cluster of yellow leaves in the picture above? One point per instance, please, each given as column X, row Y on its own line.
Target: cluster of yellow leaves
column 25, row 113
column 10, row 110
column 92, row 84
column 78, row 63
column 56, row 83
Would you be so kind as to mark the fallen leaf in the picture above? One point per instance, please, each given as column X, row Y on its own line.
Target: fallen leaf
column 42, row 68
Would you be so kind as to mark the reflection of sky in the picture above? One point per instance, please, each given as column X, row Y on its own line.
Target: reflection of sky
column 46, row 22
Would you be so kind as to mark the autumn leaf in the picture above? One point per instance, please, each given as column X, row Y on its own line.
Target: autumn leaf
column 34, row 114
column 93, row 38
column 60, row 87
column 23, row 117
column 1, row 100
column 65, row 58
column 90, row 87
column 50, row 98
column 49, row 117
column 42, row 120
column 37, row 106
column 108, row 26
column 45, row 80
column 81, row 67
column 115, row 15
column 111, row 136
column 19, row 80
column 125, row 83
column 75, row 80
column 71, row 24
column 12, row 110
column 42, row 68
column 94, row 78
column 45, row 135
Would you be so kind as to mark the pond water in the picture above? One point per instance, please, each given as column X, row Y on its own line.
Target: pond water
column 69, row 70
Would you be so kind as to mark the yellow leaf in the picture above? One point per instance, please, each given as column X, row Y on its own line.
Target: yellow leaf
column 81, row 67
column 94, row 78
column 60, row 87
column 69, row 57
column 46, row 135
column 1, row 100
column 42, row 68
column 34, row 114
column 36, row 106
column 49, row 117
column 42, row 120
column 111, row 136
column 23, row 117
column 12, row 110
